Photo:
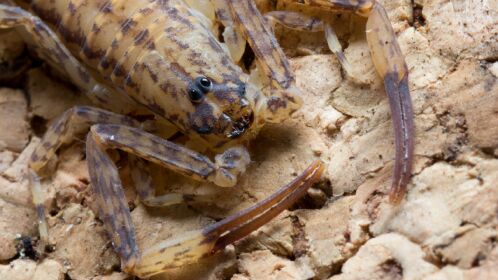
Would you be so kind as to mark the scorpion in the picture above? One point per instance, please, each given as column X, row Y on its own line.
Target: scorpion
column 164, row 57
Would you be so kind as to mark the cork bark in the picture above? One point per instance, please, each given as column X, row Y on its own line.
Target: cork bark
column 446, row 228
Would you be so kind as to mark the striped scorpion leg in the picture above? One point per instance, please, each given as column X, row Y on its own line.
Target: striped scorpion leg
column 45, row 42
column 283, row 97
column 142, row 181
column 389, row 63
column 145, row 189
column 74, row 121
column 192, row 245
column 77, row 120
column 232, row 37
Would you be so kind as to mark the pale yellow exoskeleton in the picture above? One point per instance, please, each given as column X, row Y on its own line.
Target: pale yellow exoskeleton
column 164, row 57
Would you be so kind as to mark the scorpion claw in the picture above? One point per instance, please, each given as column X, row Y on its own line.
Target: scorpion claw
column 402, row 116
column 201, row 243
column 390, row 64
column 233, row 228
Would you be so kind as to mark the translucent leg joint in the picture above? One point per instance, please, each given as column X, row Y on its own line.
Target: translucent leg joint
column 36, row 191
column 230, row 165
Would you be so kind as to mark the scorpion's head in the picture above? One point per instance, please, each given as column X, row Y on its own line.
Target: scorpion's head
column 223, row 109
column 234, row 109
column 192, row 81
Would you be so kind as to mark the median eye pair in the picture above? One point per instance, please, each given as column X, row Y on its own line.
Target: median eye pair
column 198, row 88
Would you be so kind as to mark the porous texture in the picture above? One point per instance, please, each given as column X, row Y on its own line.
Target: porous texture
column 446, row 228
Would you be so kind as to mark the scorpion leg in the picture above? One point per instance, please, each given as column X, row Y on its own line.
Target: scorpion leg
column 78, row 120
column 192, row 245
column 143, row 183
column 390, row 64
column 301, row 22
column 284, row 97
column 45, row 42
column 75, row 120
column 233, row 38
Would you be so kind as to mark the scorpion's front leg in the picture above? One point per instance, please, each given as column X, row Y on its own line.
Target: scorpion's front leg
column 74, row 121
column 192, row 245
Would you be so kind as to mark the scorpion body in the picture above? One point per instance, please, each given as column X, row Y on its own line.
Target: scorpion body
column 164, row 57
column 149, row 51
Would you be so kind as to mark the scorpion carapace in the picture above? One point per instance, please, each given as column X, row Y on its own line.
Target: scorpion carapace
column 165, row 57
column 171, row 64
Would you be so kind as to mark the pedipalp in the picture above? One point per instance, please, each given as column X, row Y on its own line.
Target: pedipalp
column 386, row 55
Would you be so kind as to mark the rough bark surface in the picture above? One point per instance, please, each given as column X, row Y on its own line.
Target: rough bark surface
column 446, row 228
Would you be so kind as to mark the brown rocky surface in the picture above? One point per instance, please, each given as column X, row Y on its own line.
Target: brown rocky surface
column 446, row 228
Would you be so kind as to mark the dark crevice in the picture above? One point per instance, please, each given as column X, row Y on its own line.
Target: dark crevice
column 316, row 197
column 221, row 29
column 54, row 211
column 490, row 151
column 418, row 17
column 392, row 269
column 84, row 181
column 248, row 57
column 491, row 59
column 12, row 72
column 38, row 125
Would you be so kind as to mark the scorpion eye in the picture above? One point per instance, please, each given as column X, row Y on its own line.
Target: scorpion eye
column 203, row 83
column 195, row 94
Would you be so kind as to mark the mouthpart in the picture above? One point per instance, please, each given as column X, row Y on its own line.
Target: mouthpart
column 241, row 125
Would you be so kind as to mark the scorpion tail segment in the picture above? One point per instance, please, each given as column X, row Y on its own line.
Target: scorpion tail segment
column 202, row 243
column 390, row 65
column 243, row 223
